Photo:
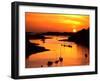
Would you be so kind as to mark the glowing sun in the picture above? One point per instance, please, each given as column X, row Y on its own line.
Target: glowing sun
column 74, row 30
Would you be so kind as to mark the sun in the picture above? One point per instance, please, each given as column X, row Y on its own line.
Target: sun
column 74, row 30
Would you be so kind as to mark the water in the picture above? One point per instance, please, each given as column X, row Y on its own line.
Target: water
column 72, row 56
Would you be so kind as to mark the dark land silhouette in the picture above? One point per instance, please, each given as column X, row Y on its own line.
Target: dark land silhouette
column 32, row 48
column 80, row 37
column 57, row 33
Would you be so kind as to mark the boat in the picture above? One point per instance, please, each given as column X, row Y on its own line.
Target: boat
column 60, row 59
column 49, row 63
column 69, row 46
column 66, row 45
column 56, row 62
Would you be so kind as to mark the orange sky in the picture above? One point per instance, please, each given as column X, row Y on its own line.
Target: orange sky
column 45, row 22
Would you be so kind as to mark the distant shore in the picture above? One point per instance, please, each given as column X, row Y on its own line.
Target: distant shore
column 81, row 37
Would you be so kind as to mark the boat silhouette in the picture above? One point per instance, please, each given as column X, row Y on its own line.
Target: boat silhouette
column 60, row 59
column 69, row 46
column 66, row 45
column 49, row 63
column 85, row 55
column 56, row 62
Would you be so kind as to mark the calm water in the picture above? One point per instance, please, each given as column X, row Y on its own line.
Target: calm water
column 72, row 56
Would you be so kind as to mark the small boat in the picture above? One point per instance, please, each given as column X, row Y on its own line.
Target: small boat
column 56, row 62
column 41, row 65
column 69, row 46
column 60, row 59
column 49, row 63
column 85, row 55
column 66, row 45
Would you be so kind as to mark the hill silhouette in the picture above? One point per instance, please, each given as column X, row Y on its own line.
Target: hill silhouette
column 81, row 37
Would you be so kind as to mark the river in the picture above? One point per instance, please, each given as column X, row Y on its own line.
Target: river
column 73, row 54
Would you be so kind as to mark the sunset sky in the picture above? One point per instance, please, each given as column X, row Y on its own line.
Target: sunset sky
column 45, row 22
